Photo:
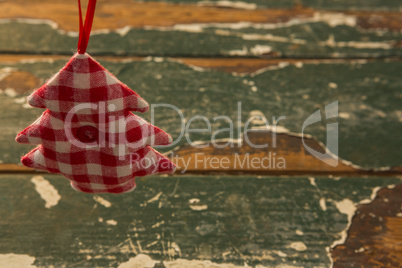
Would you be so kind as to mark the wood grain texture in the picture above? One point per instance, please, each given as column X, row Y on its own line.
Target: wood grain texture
column 117, row 14
column 229, row 219
column 278, row 58
column 21, row 81
column 375, row 235
column 336, row 5
column 283, row 153
column 229, row 65
column 130, row 28
column 368, row 128
column 236, row 66
column 120, row 13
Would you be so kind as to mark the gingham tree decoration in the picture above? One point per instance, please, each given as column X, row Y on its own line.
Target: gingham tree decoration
column 88, row 132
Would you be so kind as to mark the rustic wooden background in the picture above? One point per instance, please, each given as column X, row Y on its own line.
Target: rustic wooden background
column 278, row 58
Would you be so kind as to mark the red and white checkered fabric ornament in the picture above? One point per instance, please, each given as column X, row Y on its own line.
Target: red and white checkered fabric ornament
column 88, row 132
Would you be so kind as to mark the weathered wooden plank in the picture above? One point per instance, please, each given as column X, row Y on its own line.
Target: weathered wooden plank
column 368, row 95
column 266, row 152
column 329, row 4
column 129, row 28
column 120, row 13
column 285, row 154
column 375, row 233
column 266, row 220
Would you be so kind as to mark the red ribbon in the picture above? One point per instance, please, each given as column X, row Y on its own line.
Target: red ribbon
column 85, row 29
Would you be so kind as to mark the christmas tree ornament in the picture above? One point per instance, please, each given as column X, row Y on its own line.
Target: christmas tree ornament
column 88, row 132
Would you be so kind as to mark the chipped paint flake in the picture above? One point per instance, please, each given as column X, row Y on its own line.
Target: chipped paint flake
column 158, row 224
column 151, row 244
column 372, row 196
column 257, row 117
column 190, row 28
column 260, row 37
column 332, row 85
column 142, row 260
column 20, row 100
column 299, row 64
column 27, row 106
column 281, row 65
column 16, row 261
column 299, row 232
column 230, row 4
column 194, row 201
column 270, row 37
column 360, row 250
column 199, row 207
column 123, row 31
column 299, row 246
column 102, row 201
column 155, row 198
column 174, row 249
column 347, row 207
column 195, row 205
column 242, row 52
column 260, row 50
column 46, row 191
column 281, row 254
column 357, row 44
column 158, row 59
column 335, row 19
column 323, row 204
column 312, row 181
column 139, row 261
column 366, row 45
column 51, row 23
column 197, row 68
column 10, row 92
column 344, row 115
column 111, row 222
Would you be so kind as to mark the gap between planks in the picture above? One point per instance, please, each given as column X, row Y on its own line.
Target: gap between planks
column 17, row 169
column 242, row 65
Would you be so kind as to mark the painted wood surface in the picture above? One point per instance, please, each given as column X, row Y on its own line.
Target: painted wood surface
column 268, row 221
column 277, row 58
column 379, row 247
column 126, row 27
column 368, row 93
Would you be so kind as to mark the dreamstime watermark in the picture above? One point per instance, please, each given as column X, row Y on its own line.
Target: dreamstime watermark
column 111, row 131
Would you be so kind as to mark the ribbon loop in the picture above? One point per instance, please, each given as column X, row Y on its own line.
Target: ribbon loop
column 85, row 29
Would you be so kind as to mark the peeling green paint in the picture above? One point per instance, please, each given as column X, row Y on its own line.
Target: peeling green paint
column 369, row 98
column 247, row 219
column 302, row 40
column 318, row 4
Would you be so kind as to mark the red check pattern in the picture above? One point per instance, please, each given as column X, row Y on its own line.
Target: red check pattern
column 83, row 83
column 88, row 133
